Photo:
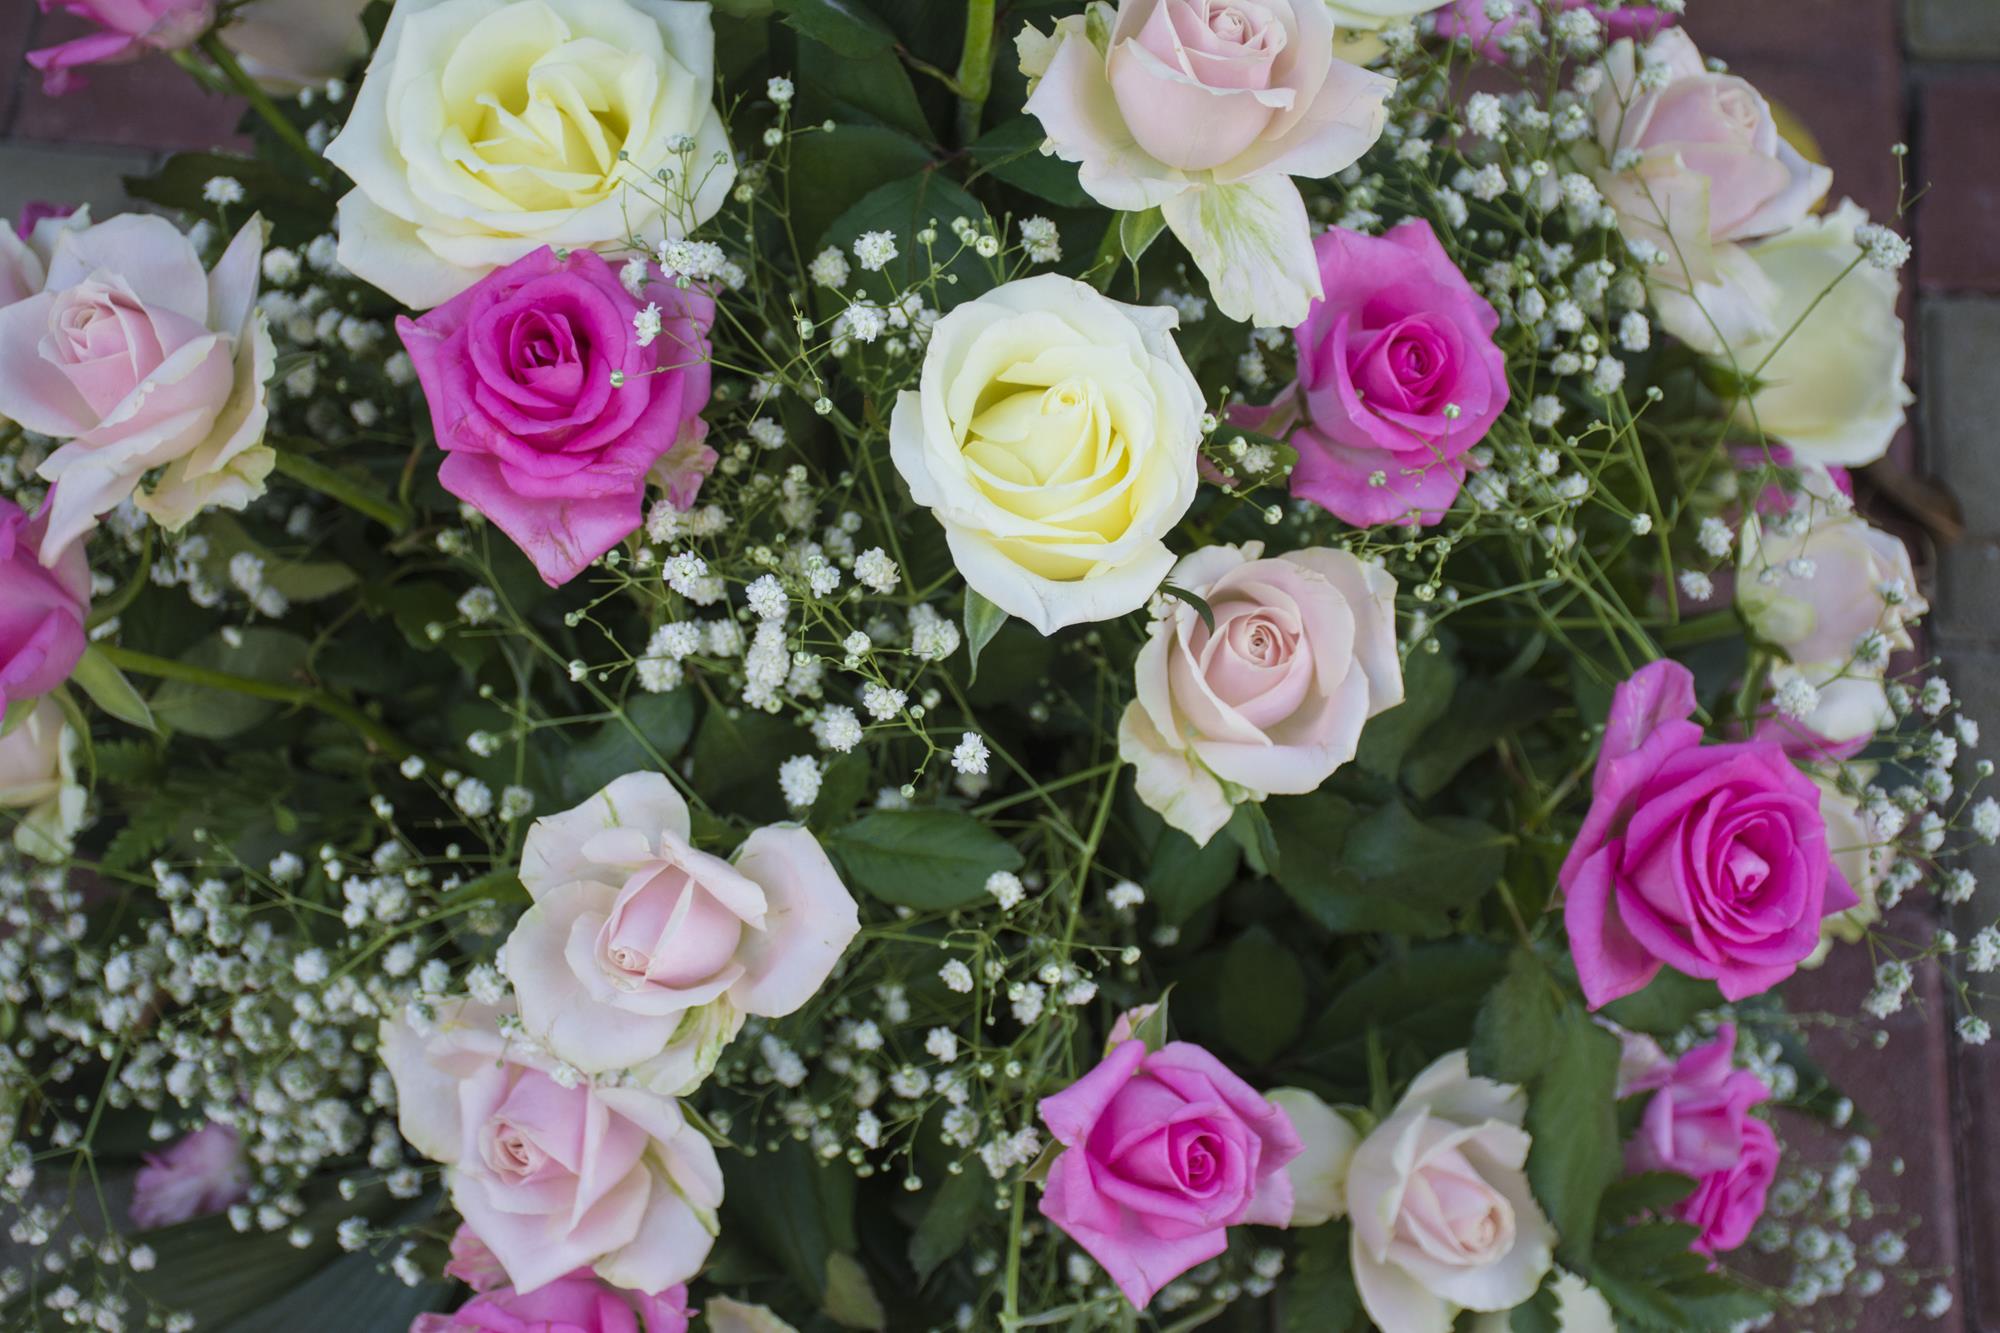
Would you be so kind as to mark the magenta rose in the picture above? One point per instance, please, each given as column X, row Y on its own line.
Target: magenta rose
column 1472, row 20
column 127, row 29
column 1710, row 859
column 42, row 608
column 1698, row 1124
column 578, row 1302
column 1163, row 1152
column 1398, row 377
column 195, row 1175
column 554, row 409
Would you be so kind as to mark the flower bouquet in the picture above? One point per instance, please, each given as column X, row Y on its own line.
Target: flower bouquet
column 889, row 664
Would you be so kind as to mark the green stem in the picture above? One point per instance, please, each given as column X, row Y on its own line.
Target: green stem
column 337, row 486
column 225, row 60
column 161, row 668
column 975, row 68
column 1010, row 1311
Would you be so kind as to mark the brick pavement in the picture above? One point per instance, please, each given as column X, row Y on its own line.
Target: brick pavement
column 1860, row 75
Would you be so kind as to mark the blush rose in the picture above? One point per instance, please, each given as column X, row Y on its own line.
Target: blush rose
column 1711, row 859
column 1163, row 1151
column 1399, row 377
column 1272, row 698
column 551, row 409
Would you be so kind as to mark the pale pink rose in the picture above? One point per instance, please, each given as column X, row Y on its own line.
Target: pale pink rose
column 638, row 1206
column 1443, row 1217
column 1271, row 700
column 38, row 783
column 638, row 943
column 1163, row 1151
column 42, row 608
column 1695, row 167
column 198, row 1174
column 1206, row 109
column 127, row 29
column 25, row 248
column 139, row 361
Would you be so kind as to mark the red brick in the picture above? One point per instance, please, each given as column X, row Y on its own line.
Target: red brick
column 1958, row 156
column 150, row 103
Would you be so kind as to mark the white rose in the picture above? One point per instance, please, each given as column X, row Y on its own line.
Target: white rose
column 643, row 953
column 1054, row 435
column 1443, row 1217
column 1579, row 1309
column 1819, row 589
column 1319, row 1173
column 288, row 45
column 487, row 129
column 1832, row 388
column 38, row 780
column 1862, row 854
column 1371, row 15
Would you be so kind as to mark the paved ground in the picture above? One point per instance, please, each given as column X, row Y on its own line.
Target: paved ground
column 1861, row 74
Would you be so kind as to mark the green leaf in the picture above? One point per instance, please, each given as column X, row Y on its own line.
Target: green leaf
column 1424, row 1000
column 1573, row 1121
column 795, row 1208
column 298, row 580
column 652, row 724
column 1185, row 877
column 17, row 713
column 872, row 87
column 1635, row 1196
column 1200, row 604
column 1320, row 1295
column 1263, row 995
column 1541, row 1314
column 217, row 714
column 1429, row 680
column 832, row 170
column 841, row 24
column 931, row 860
column 1155, row 1028
column 983, row 620
column 1138, row 231
column 1012, row 151
column 108, row 689
column 1251, row 830
column 1481, row 712
column 841, row 788
column 904, row 207
column 1385, row 870
column 1667, row 1005
column 736, row 760
column 850, row 1300
column 956, row 1208
column 1515, row 1035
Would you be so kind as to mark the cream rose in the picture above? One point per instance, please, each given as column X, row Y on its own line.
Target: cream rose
column 1443, row 1217
column 642, row 953
column 1271, row 698
column 1861, row 852
column 1831, row 388
column 38, row 786
column 1054, row 435
column 487, row 129
column 1205, row 109
column 1838, row 596
column 1695, row 167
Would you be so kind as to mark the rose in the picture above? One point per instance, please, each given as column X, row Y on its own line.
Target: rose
column 1829, row 368
column 1205, row 109
column 576, row 1302
column 1053, row 434
column 1271, row 697
column 25, row 249
column 1697, row 1123
column 727, row 1316
column 1473, row 20
column 1694, row 167
column 1398, row 377
column 1837, row 595
column 42, row 608
column 1862, row 853
column 38, row 776
column 198, row 1174
column 552, row 408
column 1713, row 859
column 1580, row 1308
column 1319, row 1173
column 289, row 45
column 1162, row 1152
column 127, row 29
column 639, row 1207
column 140, row 361
column 1442, row 1214
column 643, row 953
column 485, row 131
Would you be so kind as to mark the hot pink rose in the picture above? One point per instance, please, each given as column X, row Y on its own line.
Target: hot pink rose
column 1469, row 19
column 42, row 608
column 1163, row 1152
column 1398, row 377
column 554, row 1178
column 151, row 371
column 1711, row 859
column 128, row 29
column 1698, row 1124
column 553, row 409
column 198, row 1174
column 577, row 1302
